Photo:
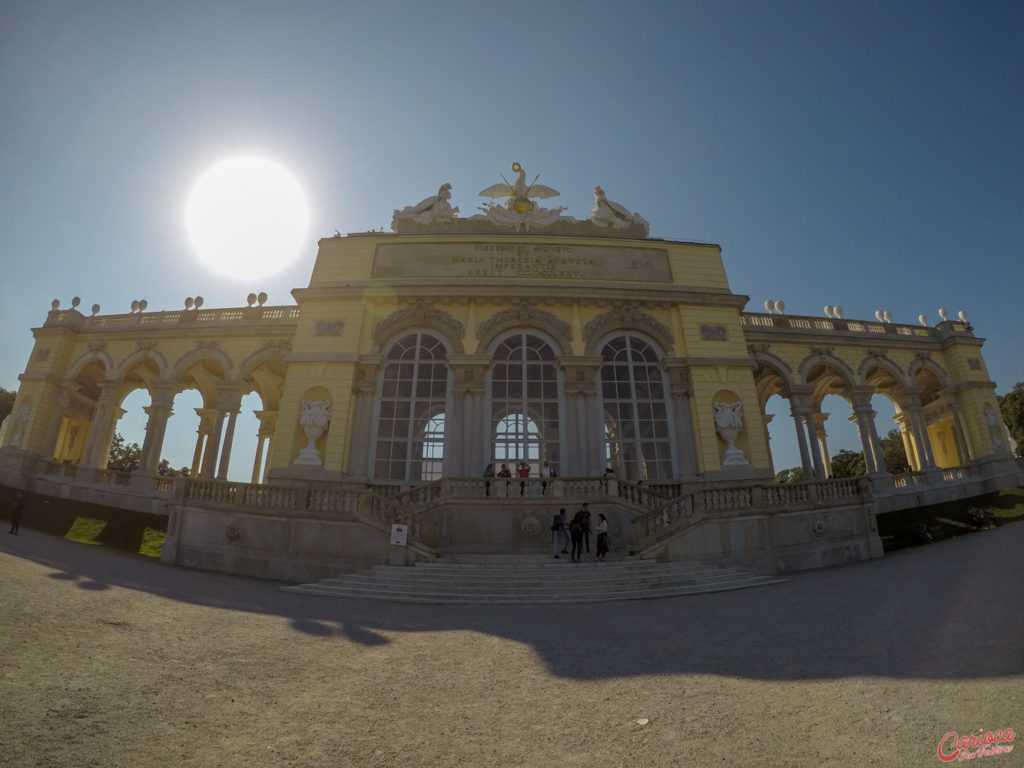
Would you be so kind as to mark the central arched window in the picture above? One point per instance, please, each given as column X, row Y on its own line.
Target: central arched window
column 411, row 425
column 524, row 402
column 637, row 440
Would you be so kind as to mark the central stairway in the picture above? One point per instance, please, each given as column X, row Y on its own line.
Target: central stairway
column 533, row 579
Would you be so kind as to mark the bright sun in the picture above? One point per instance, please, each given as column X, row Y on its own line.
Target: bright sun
column 247, row 217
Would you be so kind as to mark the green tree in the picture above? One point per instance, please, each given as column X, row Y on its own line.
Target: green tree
column 126, row 457
column 792, row 475
column 892, row 452
column 123, row 457
column 848, row 463
column 6, row 403
column 165, row 469
column 1011, row 405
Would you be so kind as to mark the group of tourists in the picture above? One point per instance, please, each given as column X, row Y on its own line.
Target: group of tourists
column 522, row 471
column 565, row 533
column 577, row 534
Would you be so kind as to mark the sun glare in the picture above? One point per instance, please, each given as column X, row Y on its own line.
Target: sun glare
column 247, row 217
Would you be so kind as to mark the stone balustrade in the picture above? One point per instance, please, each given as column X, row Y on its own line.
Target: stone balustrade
column 653, row 512
column 756, row 320
column 207, row 317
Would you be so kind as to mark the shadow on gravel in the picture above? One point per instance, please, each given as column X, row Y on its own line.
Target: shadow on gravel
column 948, row 611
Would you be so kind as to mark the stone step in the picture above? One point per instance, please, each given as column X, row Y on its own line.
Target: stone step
column 506, row 582
column 530, row 579
column 457, row 598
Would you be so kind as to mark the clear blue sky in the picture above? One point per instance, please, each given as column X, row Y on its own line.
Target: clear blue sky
column 867, row 154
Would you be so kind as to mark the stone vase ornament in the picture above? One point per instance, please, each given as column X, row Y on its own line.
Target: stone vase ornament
column 314, row 419
column 729, row 422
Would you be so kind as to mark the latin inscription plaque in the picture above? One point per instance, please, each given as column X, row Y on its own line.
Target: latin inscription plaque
column 534, row 260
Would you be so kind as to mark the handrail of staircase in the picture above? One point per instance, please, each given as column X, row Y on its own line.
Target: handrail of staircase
column 761, row 497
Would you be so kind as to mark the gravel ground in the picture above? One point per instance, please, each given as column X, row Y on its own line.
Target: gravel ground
column 114, row 660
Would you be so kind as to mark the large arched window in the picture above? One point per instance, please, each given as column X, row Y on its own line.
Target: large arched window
column 410, row 430
column 637, row 440
column 524, row 402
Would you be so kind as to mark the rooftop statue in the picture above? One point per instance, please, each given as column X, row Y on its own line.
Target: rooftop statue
column 432, row 210
column 519, row 210
column 519, row 193
column 607, row 213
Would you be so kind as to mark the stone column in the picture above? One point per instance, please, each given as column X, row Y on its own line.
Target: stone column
column 267, row 428
column 361, row 437
column 104, row 418
column 813, row 448
column 821, row 441
column 681, row 391
column 207, row 417
column 864, row 415
column 159, row 411
column 467, row 448
column 800, row 408
column 902, row 420
column 63, row 400
column 212, row 450
column 919, row 430
column 958, row 429
column 768, row 418
column 230, row 405
column 582, row 449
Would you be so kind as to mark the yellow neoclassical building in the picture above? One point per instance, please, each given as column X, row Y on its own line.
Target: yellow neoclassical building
column 592, row 361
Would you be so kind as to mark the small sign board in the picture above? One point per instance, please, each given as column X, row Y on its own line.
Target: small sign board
column 399, row 534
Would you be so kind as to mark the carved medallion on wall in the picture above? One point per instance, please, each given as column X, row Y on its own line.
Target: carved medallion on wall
column 234, row 532
column 530, row 526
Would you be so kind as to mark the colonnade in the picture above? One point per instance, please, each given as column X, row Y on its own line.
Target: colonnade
column 812, row 437
column 215, row 434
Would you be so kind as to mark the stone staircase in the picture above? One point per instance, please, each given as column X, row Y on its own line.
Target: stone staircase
column 533, row 579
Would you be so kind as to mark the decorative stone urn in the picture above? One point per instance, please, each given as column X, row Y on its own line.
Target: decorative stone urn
column 314, row 419
column 729, row 422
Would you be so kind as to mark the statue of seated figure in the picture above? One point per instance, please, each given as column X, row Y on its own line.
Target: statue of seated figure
column 607, row 213
column 433, row 210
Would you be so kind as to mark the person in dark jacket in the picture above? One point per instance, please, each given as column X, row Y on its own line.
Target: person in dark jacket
column 16, row 511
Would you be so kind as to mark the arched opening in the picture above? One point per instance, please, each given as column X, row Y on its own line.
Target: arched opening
column 411, row 410
column 638, row 445
column 524, row 402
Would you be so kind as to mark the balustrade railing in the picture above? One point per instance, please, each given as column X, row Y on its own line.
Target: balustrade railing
column 649, row 526
column 716, row 499
column 670, row 505
column 958, row 473
column 909, row 479
column 756, row 320
column 786, row 494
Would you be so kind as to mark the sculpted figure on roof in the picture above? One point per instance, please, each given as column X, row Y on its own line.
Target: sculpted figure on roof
column 519, row 210
column 435, row 209
column 515, row 207
column 607, row 213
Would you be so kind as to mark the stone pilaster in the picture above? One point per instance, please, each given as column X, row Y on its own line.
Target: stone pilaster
column 583, row 439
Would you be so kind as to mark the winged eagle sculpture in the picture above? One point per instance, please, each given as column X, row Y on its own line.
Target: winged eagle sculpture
column 519, row 192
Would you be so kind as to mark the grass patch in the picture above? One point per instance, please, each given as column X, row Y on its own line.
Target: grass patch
column 86, row 530
column 949, row 519
column 152, row 542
